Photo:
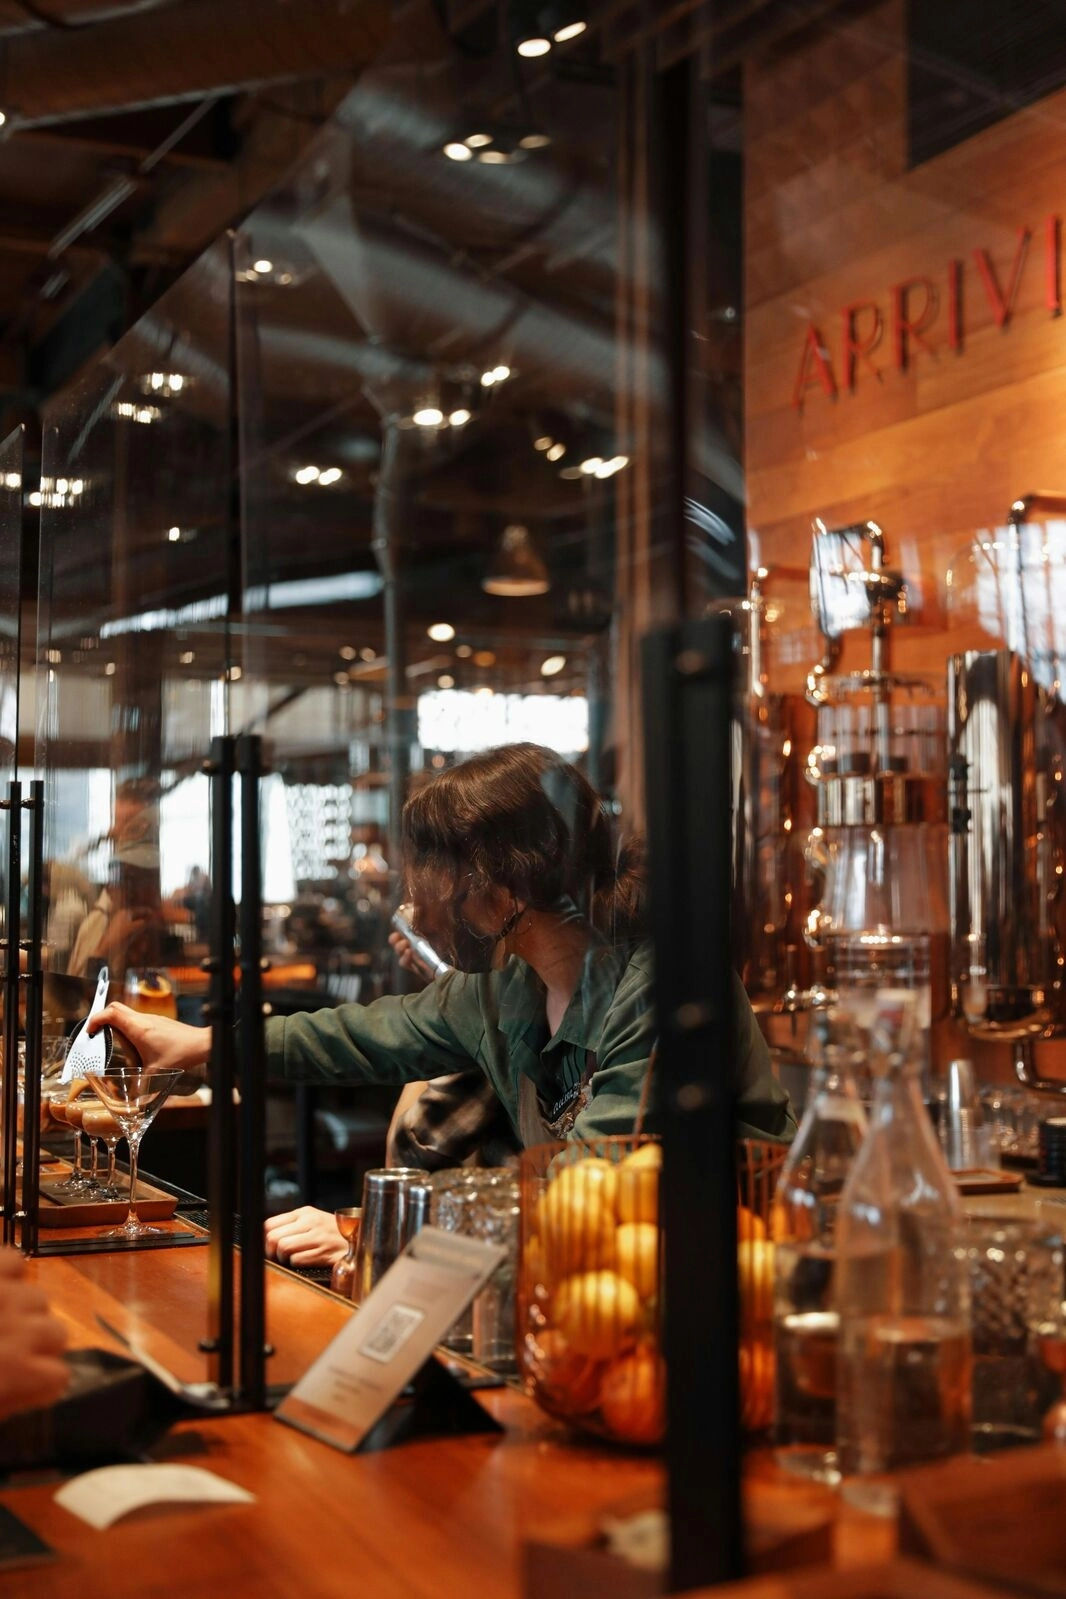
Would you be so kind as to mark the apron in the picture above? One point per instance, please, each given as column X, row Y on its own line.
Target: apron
column 535, row 1124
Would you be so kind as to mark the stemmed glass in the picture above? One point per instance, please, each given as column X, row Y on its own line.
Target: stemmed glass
column 77, row 1182
column 98, row 1123
column 133, row 1095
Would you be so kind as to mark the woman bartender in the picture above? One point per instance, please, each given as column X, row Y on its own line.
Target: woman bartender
column 514, row 877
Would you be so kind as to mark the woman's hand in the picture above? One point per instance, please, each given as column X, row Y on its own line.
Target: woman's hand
column 304, row 1237
column 31, row 1342
column 162, row 1043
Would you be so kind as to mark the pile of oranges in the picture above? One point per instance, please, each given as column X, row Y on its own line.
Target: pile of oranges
column 589, row 1340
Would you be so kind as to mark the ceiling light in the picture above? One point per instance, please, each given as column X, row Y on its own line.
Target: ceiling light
column 428, row 416
column 516, row 570
column 478, row 141
column 485, row 692
column 367, row 654
column 3, row 118
column 464, row 651
column 263, row 267
column 552, row 665
column 501, row 373
column 555, row 452
column 545, row 442
column 610, row 467
column 110, row 669
column 347, row 652
column 127, row 411
column 341, row 679
column 235, row 673
column 284, row 278
column 446, row 680
column 459, row 418
column 332, row 474
column 35, row 497
column 494, row 158
column 484, row 658
column 173, row 534
column 458, row 152
column 306, row 474
column 187, row 657
column 572, row 30
column 441, row 632
column 532, row 47
column 534, row 141
column 591, row 464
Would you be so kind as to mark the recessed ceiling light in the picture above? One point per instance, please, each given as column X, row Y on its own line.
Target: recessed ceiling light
column 572, row 30
column 610, row 467
column 174, row 534
column 459, row 418
column 428, row 416
column 552, row 665
column 306, row 474
column 263, row 267
column 501, row 373
column 534, row 141
column 446, row 680
column 367, row 654
column 555, row 452
column 530, row 48
column 110, row 669
column 332, row 474
column 545, row 442
column 458, row 152
column 341, row 679
column 464, row 651
column 591, row 464
column 235, row 673
column 494, row 158
column 347, row 652
column 478, row 141
column 484, row 692
column 441, row 632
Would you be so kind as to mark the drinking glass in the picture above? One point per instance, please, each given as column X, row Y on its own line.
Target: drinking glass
column 75, row 1112
column 76, row 1182
column 99, row 1123
column 483, row 1203
column 133, row 1095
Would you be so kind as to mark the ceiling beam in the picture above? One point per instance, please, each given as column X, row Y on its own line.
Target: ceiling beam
column 209, row 145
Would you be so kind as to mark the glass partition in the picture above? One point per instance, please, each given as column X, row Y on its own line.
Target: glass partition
column 11, row 492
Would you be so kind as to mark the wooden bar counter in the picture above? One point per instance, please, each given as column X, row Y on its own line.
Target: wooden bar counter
column 422, row 1520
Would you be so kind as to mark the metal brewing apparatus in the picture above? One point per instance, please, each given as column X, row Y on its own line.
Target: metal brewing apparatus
column 1007, row 749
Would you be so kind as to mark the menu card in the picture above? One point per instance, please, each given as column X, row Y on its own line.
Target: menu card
column 359, row 1375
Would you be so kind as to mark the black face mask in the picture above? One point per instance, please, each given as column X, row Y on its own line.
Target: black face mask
column 474, row 952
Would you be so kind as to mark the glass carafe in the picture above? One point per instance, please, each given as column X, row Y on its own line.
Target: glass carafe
column 804, row 1226
column 904, row 1352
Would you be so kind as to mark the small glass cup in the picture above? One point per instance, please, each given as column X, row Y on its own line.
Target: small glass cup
column 1016, row 1272
column 483, row 1202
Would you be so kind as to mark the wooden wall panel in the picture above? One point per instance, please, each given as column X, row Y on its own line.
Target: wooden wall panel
column 937, row 451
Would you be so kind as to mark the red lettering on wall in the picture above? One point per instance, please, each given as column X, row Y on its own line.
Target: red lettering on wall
column 907, row 327
column 1053, row 264
column 815, row 367
column 1003, row 304
column 955, row 304
column 858, row 348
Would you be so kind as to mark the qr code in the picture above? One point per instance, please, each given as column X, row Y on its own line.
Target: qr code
column 390, row 1335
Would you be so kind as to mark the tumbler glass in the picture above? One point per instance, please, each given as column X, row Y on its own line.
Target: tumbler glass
column 483, row 1202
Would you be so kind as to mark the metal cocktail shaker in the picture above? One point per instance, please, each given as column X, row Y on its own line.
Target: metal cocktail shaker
column 395, row 1205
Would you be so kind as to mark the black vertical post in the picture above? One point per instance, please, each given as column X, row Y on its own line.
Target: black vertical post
column 220, row 1012
column 34, row 980
column 252, row 1383
column 687, row 712
column 12, row 947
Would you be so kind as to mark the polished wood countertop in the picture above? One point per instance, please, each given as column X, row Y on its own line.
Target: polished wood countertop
column 423, row 1520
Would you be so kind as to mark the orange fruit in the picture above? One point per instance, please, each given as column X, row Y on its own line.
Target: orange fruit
column 755, row 1264
column 636, row 1245
column 567, row 1384
column 756, row 1384
column 576, row 1219
column 637, row 1198
column 749, row 1225
column 633, row 1397
column 598, row 1313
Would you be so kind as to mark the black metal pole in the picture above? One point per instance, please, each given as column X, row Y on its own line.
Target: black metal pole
column 12, row 947
column 34, row 980
column 220, row 1012
column 687, row 712
column 252, row 1381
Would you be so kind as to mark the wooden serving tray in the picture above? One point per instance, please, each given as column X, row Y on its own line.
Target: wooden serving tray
column 987, row 1180
column 82, row 1210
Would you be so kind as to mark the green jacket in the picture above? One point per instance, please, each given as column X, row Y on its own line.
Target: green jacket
column 496, row 1020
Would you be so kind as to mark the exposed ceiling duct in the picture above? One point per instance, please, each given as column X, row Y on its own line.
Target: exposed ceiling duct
column 181, row 51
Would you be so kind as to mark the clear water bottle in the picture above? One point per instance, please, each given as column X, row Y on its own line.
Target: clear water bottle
column 805, row 1224
column 902, row 1291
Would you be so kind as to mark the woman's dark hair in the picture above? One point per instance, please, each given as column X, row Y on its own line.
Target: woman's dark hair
column 522, row 819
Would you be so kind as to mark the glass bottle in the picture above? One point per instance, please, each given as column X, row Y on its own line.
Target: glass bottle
column 804, row 1228
column 902, row 1289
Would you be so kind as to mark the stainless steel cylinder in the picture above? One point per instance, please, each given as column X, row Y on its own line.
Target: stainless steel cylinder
column 1005, row 738
column 395, row 1205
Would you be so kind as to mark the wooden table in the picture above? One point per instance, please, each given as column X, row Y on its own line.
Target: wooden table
column 423, row 1520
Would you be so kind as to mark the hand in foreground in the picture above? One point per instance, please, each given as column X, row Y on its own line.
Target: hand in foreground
column 304, row 1237
column 31, row 1342
column 162, row 1043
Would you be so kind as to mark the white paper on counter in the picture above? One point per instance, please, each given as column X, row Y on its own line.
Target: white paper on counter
column 102, row 1497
